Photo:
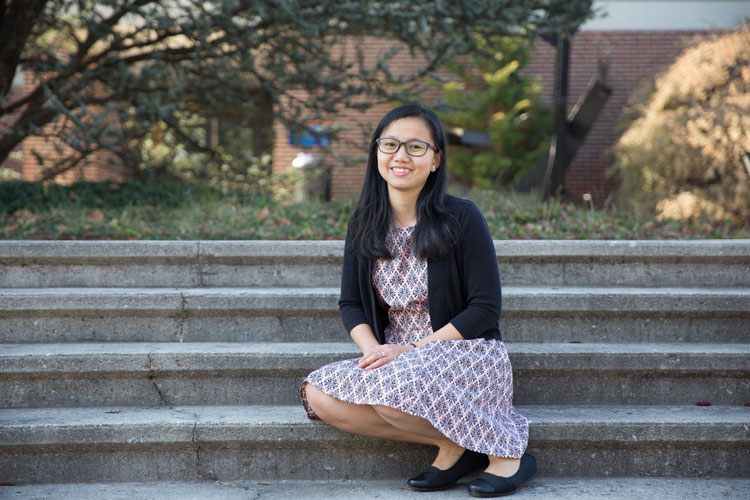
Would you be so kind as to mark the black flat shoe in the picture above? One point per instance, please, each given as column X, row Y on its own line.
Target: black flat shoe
column 490, row 485
column 434, row 479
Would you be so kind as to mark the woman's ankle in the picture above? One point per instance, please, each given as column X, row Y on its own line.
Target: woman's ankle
column 502, row 466
column 448, row 454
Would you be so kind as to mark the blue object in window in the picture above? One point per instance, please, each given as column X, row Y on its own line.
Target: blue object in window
column 316, row 135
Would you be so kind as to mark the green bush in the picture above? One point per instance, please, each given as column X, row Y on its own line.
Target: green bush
column 679, row 157
column 489, row 94
column 230, row 165
column 38, row 197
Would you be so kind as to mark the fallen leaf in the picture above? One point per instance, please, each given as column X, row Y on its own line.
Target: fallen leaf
column 262, row 214
column 23, row 215
column 95, row 217
column 703, row 403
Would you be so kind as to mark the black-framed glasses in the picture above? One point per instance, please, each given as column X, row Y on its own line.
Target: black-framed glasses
column 413, row 148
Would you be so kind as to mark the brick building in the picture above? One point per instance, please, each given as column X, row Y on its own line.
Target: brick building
column 637, row 39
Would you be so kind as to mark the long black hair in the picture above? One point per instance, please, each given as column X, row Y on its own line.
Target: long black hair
column 436, row 225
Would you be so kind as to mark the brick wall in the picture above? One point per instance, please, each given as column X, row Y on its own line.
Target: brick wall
column 634, row 57
column 100, row 166
column 347, row 156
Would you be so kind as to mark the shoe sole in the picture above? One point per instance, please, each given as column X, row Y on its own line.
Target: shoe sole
column 427, row 490
column 504, row 494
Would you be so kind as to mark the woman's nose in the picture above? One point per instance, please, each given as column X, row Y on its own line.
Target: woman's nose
column 401, row 153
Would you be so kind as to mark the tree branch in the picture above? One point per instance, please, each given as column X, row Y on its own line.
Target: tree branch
column 68, row 163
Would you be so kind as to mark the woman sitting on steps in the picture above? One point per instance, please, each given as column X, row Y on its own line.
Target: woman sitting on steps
column 420, row 296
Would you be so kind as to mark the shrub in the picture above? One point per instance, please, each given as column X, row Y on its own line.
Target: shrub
column 488, row 94
column 230, row 164
column 679, row 157
column 38, row 197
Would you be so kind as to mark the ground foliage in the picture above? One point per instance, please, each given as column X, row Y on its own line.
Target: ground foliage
column 108, row 72
column 189, row 211
column 680, row 155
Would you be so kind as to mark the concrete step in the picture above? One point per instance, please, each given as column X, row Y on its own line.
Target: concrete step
column 719, row 263
column 202, row 373
column 530, row 314
column 541, row 488
column 278, row 442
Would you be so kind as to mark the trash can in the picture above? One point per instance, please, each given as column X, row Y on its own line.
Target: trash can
column 312, row 181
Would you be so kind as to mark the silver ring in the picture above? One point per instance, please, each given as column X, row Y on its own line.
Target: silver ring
column 382, row 354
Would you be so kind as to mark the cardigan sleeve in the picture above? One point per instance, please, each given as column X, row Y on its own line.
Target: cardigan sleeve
column 350, row 301
column 480, row 278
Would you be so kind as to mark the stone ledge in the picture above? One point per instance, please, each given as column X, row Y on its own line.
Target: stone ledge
column 713, row 263
column 333, row 249
column 300, row 358
column 515, row 299
column 240, row 442
column 132, row 426
column 543, row 488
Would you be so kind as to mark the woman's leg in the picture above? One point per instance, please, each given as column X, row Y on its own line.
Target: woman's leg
column 501, row 466
column 385, row 423
column 448, row 451
column 357, row 419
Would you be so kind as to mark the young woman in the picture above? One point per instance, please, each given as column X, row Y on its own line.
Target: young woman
column 420, row 296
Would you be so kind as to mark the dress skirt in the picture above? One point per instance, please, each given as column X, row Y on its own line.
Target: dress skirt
column 464, row 388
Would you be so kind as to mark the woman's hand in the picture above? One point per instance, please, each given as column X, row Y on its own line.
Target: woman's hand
column 380, row 355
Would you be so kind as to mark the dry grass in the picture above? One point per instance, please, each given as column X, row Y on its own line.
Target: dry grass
column 510, row 215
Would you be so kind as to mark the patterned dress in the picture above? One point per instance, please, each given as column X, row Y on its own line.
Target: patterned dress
column 463, row 387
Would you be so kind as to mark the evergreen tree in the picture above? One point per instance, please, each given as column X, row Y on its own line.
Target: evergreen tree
column 489, row 94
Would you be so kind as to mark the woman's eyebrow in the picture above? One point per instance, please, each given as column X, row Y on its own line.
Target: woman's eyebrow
column 407, row 140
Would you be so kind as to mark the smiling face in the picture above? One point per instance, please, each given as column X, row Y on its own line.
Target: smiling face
column 402, row 172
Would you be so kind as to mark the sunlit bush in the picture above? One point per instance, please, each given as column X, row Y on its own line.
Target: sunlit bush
column 680, row 156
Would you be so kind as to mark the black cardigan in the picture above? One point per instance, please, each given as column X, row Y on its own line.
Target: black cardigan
column 463, row 287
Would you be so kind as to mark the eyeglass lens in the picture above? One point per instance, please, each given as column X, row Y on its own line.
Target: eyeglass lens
column 413, row 148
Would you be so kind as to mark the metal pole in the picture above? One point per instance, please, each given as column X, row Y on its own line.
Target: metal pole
column 557, row 175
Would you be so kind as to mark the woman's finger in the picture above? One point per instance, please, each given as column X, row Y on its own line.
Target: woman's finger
column 370, row 358
column 375, row 359
column 379, row 362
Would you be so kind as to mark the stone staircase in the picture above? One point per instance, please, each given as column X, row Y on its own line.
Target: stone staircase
column 181, row 361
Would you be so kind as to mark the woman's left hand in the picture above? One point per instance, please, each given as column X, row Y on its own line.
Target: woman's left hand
column 381, row 355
